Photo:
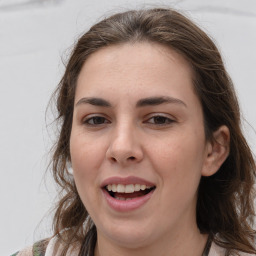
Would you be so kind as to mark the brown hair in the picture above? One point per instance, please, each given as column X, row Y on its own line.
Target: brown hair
column 225, row 200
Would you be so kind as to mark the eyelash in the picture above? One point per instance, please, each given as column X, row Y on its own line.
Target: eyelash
column 167, row 120
column 94, row 118
column 164, row 121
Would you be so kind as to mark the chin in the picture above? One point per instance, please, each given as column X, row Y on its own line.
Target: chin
column 132, row 241
column 129, row 237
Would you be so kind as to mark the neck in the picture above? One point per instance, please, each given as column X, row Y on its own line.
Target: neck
column 185, row 244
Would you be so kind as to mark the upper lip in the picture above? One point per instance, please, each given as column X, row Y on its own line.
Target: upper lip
column 126, row 181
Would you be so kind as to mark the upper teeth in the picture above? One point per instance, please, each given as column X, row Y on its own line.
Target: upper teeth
column 120, row 188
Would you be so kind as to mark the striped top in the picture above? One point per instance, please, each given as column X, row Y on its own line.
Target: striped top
column 48, row 248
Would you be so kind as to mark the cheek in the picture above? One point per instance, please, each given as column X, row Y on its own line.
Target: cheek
column 181, row 157
column 179, row 165
column 86, row 154
column 84, row 159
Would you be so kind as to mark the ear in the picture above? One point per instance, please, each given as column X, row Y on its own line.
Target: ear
column 69, row 167
column 217, row 151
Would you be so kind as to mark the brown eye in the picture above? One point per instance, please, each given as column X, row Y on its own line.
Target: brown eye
column 160, row 120
column 96, row 120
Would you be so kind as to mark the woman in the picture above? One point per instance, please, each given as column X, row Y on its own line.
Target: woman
column 150, row 126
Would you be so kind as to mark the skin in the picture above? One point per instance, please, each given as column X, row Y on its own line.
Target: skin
column 126, row 140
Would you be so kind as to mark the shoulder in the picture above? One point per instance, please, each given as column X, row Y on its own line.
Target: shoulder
column 48, row 247
column 216, row 250
column 37, row 249
column 55, row 247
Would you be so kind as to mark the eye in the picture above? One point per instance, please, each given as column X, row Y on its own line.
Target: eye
column 95, row 120
column 160, row 120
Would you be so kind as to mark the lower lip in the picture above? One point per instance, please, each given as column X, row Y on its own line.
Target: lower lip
column 126, row 205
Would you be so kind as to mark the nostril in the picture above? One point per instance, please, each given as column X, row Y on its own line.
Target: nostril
column 113, row 159
column 122, row 159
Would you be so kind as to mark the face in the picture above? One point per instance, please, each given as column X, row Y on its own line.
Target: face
column 138, row 132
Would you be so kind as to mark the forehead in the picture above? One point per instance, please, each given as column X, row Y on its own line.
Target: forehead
column 144, row 68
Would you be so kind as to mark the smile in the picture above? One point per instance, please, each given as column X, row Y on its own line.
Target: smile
column 127, row 194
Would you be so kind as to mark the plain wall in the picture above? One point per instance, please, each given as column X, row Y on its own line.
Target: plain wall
column 34, row 37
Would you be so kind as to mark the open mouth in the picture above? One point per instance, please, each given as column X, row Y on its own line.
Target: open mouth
column 128, row 192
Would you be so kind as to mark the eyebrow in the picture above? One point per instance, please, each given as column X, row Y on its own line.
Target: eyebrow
column 94, row 101
column 151, row 101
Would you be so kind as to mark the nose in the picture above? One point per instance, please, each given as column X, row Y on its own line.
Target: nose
column 124, row 147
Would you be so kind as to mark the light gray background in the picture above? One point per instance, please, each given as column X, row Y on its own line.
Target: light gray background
column 34, row 36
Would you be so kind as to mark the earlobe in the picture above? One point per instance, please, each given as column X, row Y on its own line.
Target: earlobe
column 217, row 151
column 69, row 168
